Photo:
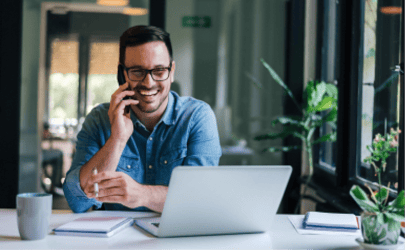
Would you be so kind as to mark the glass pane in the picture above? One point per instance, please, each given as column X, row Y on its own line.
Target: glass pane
column 328, row 65
column 380, row 85
column 102, row 78
column 63, row 84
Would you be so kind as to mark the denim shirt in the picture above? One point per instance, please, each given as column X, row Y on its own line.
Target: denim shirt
column 187, row 134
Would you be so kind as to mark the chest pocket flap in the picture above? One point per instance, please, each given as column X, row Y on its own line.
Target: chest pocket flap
column 173, row 157
column 128, row 163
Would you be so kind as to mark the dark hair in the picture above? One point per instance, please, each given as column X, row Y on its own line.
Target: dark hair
column 142, row 34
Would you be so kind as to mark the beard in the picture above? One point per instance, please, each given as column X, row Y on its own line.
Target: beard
column 146, row 108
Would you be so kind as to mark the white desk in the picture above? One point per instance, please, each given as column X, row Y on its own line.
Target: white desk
column 282, row 236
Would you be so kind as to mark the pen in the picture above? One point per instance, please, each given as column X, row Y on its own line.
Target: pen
column 95, row 184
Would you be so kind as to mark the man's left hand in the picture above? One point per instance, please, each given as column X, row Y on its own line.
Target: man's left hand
column 117, row 187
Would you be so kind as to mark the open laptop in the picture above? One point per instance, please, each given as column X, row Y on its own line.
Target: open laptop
column 219, row 200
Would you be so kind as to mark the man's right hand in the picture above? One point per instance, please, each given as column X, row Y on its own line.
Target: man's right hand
column 121, row 123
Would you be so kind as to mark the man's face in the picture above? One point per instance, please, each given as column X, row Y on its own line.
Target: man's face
column 152, row 95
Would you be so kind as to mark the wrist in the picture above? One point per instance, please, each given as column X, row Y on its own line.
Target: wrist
column 147, row 195
column 117, row 143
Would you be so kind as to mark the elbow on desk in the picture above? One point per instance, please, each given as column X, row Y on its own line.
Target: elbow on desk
column 77, row 204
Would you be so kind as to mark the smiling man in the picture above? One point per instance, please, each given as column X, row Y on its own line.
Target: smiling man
column 135, row 152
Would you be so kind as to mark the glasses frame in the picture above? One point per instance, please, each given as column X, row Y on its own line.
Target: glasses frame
column 149, row 71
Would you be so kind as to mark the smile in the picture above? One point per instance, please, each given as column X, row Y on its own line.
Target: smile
column 148, row 93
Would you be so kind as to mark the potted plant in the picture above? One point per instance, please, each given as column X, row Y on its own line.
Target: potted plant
column 319, row 108
column 380, row 220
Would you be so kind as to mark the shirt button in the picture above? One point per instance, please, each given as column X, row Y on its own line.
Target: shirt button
column 165, row 162
column 129, row 166
column 150, row 138
column 150, row 166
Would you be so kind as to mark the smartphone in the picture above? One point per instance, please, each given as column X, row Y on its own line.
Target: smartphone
column 121, row 80
column 120, row 75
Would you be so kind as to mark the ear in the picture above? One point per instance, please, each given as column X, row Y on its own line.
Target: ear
column 172, row 71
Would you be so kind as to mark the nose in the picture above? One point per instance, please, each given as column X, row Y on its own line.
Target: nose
column 148, row 82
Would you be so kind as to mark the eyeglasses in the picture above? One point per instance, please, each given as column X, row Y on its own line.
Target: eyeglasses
column 158, row 74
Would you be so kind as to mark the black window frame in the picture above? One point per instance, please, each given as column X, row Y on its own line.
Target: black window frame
column 349, row 67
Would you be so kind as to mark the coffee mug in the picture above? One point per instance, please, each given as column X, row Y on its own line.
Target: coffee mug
column 33, row 215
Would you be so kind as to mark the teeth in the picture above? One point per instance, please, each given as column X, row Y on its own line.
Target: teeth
column 148, row 93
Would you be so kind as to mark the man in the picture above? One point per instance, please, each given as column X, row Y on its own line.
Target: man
column 135, row 152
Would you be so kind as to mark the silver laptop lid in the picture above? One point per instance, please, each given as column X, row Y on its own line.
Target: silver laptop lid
column 222, row 200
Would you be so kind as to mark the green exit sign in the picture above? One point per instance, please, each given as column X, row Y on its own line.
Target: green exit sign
column 197, row 21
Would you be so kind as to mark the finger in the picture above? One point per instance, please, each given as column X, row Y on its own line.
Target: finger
column 117, row 98
column 112, row 199
column 103, row 176
column 115, row 191
column 124, row 103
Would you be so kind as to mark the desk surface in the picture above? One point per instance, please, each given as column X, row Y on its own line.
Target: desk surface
column 281, row 236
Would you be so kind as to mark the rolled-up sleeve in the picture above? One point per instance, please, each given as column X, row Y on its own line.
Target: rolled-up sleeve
column 87, row 145
column 203, row 146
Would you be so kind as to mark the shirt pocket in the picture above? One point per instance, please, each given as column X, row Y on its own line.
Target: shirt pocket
column 173, row 158
column 131, row 166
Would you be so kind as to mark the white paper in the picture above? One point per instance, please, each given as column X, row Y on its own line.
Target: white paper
column 296, row 221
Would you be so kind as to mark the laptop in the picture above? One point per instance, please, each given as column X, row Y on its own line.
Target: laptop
column 219, row 200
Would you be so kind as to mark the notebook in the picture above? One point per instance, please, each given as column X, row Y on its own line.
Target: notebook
column 219, row 200
column 94, row 226
column 330, row 221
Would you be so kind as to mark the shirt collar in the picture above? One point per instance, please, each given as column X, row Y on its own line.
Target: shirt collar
column 168, row 118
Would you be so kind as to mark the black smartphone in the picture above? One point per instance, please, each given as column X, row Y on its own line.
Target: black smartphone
column 121, row 80
column 120, row 75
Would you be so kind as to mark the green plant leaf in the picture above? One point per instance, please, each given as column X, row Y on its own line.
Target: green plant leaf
column 287, row 120
column 331, row 90
column 331, row 116
column 281, row 149
column 325, row 104
column 328, row 137
column 309, row 90
column 317, row 95
column 399, row 202
column 380, row 218
column 281, row 83
column 382, row 194
column 394, row 216
column 362, row 199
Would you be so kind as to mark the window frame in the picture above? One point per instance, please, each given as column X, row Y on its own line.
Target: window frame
column 349, row 70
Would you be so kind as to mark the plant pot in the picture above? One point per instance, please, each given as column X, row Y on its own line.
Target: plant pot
column 377, row 233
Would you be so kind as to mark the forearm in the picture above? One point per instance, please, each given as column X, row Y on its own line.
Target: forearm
column 106, row 159
column 156, row 197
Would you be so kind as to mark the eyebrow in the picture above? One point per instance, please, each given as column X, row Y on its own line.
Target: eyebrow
column 155, row 67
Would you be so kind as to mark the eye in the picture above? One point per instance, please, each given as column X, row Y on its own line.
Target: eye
column 159, row 72
column 137, row 72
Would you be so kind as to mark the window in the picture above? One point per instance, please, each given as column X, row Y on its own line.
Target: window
column 63, row 83
column 326, row 72
column 361, row 47
column 380, row 85
column 102, row 77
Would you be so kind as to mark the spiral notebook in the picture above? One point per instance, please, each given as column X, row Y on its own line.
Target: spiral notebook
column 94, row 226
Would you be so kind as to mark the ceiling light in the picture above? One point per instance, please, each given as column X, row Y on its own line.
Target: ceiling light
column 113, row 2
column 391, row 10
column 135, row 11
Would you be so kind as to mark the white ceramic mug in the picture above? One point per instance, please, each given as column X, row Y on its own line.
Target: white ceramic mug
column 33, row 215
